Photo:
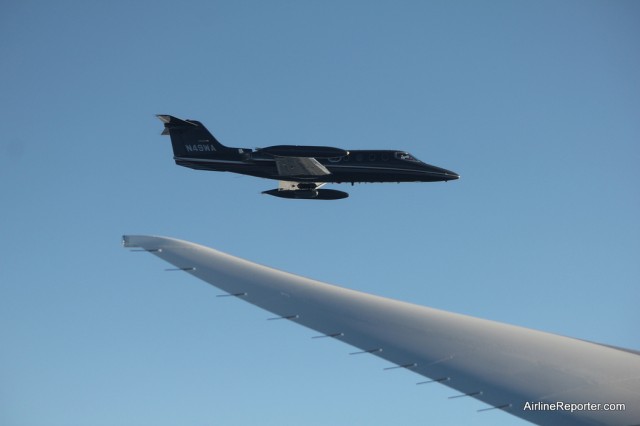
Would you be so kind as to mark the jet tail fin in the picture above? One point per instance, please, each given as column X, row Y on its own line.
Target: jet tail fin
column 190, row 137
column 171, row 122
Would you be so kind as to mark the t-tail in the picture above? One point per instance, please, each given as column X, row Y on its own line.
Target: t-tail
column 190, row 138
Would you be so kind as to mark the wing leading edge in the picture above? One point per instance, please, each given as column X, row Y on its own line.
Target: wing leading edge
column 503, row 365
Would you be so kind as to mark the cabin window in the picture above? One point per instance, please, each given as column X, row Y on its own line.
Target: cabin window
column 358, row 157
column 335, row 159
column 372, row 157
column 385, row 156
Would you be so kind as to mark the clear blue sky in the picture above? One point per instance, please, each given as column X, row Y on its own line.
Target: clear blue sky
column 535, row 104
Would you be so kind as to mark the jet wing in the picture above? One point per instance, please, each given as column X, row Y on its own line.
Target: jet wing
column 510, row 368
column 300, row 166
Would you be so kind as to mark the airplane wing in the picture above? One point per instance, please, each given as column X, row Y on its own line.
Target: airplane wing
column 541, row 377
column 300, row 166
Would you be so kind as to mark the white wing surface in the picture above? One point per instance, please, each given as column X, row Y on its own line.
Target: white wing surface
column 511, row 368
column 300, row 166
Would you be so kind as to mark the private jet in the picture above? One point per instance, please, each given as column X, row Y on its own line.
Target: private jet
column 301, row 170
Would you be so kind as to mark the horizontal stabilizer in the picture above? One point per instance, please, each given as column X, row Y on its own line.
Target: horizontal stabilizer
column 171, row 122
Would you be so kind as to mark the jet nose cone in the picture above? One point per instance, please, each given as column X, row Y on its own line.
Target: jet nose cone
column 438, row 174
column 449, row 175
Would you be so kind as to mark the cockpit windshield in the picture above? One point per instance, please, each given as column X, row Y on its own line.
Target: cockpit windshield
column 406, row 156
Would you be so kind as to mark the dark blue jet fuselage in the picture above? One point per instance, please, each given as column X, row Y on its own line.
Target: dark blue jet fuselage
column 356, row 166
column 301, row 169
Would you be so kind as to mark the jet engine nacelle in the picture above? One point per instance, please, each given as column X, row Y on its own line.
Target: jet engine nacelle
column 304, row 151
column 308, row 194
